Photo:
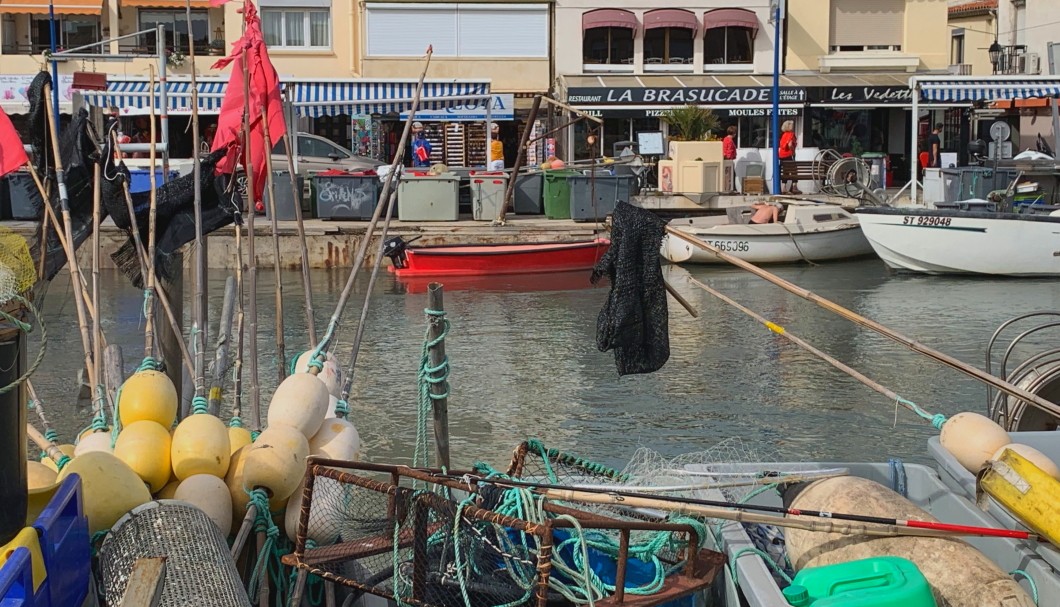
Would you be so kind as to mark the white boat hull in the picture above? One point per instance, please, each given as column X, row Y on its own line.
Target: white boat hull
column 766, row 244
column 948, row 242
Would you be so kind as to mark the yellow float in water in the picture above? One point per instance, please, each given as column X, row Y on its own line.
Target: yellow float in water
column 148, row 395
column 972, row 439
column 145, row 447
column 336, row 439
column 301, row 402
column 110, row 488
column 67, row 450
column 238, row 438
column 93, row 441
column 209, row 494
column 200, row 446
column 276, row 461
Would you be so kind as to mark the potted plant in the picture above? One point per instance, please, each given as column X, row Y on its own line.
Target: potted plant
column 175, row 58
column 217, row 47
column 690, row 123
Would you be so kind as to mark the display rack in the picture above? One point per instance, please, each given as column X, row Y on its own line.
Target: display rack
column 454, row 144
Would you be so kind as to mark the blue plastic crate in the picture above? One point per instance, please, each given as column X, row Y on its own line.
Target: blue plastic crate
column 16, row 581
column 64, row 540
column 141, row 179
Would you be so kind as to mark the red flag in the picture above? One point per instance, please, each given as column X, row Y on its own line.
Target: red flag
column 264, row 87
column 12, row 154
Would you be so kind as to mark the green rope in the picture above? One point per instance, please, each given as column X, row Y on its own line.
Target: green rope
column 149, row 364
column 734, row 570
column 1030, row 582
column 262, row 524
column 235, row 422
column 342, row 408
column 199, row 404
column 27, row 328
column 429, row 376
column 937, row 420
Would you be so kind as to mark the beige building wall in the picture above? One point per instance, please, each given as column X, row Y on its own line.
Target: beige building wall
column 506, row 75
column 925, row 41
column 978, row 35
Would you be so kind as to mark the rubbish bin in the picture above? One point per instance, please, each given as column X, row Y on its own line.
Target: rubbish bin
column 285, row 201
column 527, row 198
column 429, row 197
column 21, row 200
column 877, row 163
column 340, row 195
column 594, row 198
column 556, row 193
column 487, row 195
column 140, row 179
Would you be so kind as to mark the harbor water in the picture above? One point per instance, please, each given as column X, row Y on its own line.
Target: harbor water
column 525, row 362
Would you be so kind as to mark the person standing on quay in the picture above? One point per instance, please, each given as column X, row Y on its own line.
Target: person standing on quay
column 728, row 151
column 496, row 148
column 421, row 148
column 786, row 153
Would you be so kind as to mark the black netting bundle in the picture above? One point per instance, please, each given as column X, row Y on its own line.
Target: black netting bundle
column 634, row 319
column 78, row 153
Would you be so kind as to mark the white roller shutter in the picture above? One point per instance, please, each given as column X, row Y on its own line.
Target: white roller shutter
column 406, row 30
column 503, row 31
column 868, row 22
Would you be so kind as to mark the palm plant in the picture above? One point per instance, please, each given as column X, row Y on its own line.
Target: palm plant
column 690, row 122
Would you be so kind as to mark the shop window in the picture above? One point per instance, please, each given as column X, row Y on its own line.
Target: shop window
column 668, row 46
column 957, row 48
column 848, row 25
column 176, row 24
column 847, row 131
column 608, row 46
column 296, row 28
column 73, row 31
column 728, row 45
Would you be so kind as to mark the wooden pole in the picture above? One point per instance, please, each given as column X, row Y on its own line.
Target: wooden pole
column 281, row 356
column 113, row 370
column 1000, row 384
column 307, row 283
column 237, row 369
column 224, row 333
column 199, row 324
column 436, row 356
column 252, row 260
column 152, row 218
column 509, row 192
column 171, row 334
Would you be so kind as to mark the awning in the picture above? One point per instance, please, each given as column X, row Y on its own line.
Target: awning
column 609, row 17
column 986, row 89
column 62, row 7
column 131, row 96
column 177, row 4
column 358, row 97
column 730, row 17
column 670, row 17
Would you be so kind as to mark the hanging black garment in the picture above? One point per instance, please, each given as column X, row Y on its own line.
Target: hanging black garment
column 634, row 320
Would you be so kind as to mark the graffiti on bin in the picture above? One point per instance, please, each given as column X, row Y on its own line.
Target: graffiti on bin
column 346, row 194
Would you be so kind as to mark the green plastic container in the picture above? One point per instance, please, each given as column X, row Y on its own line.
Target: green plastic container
column 557, row 193
column 886, row 581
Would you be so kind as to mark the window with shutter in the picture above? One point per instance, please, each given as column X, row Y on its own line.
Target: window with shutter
column 396, row 30
column 458, row 30
column 858, row 25
column 515, row 31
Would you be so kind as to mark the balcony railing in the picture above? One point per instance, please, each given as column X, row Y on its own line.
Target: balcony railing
column 1016, row 60
column 961, row 69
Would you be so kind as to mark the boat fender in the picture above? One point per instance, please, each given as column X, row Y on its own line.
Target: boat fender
column 148, row 395
column 109, row 487
column 300, row 402
column 200, row 446
column 145, row 447
column 336, row 439
column 972, row 439
column 1032, row 455
column 209, row 494
column 276, row 461
column 960, row 575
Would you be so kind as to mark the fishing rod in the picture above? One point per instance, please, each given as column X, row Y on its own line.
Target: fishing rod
column 720, row 509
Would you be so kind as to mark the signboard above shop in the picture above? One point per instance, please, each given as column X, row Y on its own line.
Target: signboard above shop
column 724, row 112
column 674, row 96
column 867, row 95
column 471, row 110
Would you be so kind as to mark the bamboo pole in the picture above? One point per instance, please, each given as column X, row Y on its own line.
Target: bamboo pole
column 224, row 336
column 44, row 444
column 113, row 371
column 307, row 283
column 1000, row 384
column 199, row 324
column 97, row 331
column 252, row 261
column 281, row 356
column 152, row 217
column 237, row 368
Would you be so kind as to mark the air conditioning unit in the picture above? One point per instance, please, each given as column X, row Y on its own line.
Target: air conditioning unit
column 1032, row 64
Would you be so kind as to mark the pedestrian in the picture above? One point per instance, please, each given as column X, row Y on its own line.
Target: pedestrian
column 421, row 148
column 786, row 153
column 935, row 147
column 496, row 162
column 728, row 152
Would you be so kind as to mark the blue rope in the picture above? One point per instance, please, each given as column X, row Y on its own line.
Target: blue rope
column 898, row 476
column 149, row 364
column 1030, row 582
column 235, row 422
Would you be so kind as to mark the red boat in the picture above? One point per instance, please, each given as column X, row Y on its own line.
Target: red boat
column 481, row 260
column 506, row 283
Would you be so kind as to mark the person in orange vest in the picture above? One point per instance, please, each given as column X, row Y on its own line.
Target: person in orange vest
column 496, row 162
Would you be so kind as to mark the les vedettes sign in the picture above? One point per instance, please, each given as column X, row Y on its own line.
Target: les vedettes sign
column 681, row 96
column 875, row 95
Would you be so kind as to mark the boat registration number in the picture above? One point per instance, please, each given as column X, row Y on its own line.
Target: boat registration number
column 922, row 220
column 730, row 246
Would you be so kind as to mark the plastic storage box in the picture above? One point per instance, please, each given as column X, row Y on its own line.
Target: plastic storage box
column 556, row 193
column 594, row 198
column 140, row 179
column 429, row 197
column 16, row 581
column 528, row 196
column 21, row 198
column 285, row 201
column 886, row 581
column 65, row 543
column 487, row 195
column 347, row 196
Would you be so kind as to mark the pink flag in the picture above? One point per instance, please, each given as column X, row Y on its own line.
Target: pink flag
column 12, row 154
column 264, row 87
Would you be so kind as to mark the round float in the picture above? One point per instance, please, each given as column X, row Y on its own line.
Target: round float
column 148, row 395
column 276, row 461
column 972, row 439
column 200, row 446
column 301, row 402
column 145, row 447
column 109, row 488
column 209, row 494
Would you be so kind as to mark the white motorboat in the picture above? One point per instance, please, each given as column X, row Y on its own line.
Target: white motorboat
column 946, row 241
column 807, row 231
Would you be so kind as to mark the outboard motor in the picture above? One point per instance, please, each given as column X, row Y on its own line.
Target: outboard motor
column 394, row 248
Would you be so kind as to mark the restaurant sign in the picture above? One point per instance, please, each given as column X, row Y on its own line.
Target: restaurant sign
column 874, row 95
column 671, row 96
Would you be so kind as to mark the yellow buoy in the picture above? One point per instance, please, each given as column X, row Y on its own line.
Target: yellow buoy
column 144, row 446
column 110, row 488
column 68, row 451
column 972, row 439
column 167, row 492
column 94, row 441
column 200, row 446
column 148, row 395
column 331, row 374
column 234, row 481
column 276, row 461
column 38, row 475
column 209, row 494
column 238, row 438
column 301, row 402
column 336, row 439
column 41, row 485
column 1032, row 455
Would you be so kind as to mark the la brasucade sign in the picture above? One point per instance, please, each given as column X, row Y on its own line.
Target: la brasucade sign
column 672, row 96
column 861, row 94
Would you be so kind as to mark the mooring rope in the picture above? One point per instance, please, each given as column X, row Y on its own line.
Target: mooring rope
column 429, row 375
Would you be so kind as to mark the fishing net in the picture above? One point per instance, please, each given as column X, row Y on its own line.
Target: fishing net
column 17, row 273
column 425, row 540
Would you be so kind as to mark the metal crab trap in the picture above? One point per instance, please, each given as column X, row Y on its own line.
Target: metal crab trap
column 429, row 539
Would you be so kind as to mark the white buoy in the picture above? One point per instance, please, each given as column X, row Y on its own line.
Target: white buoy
column 276, row 461
column 331, row 374
column 94, row 441
column 209, row 494
column 324, row 515
column 301, row 402
column 972, row 439
column 336, row 439
column 1033, row 455
column 332, row 401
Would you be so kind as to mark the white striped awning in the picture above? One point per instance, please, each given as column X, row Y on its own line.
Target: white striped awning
column 992, row 89
column 131, row 96
column 359, row 97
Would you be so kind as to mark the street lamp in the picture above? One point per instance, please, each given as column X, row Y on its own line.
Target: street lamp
column 994, row 53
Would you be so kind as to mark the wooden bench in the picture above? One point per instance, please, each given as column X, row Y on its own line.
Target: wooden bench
column 804, row 170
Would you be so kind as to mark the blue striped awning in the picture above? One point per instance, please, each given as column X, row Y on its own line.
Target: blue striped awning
column 132, row 96
column 945, row 89
column 358, row 97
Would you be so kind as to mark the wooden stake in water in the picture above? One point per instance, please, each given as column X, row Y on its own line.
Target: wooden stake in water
column 224, row 338
column 252, row 260
column 281, row 356
column 436, row 357
column 200, row 333
column 307, row 283
column 97, row 332
column 152, row 217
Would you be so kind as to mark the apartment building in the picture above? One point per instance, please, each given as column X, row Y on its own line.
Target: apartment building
column 973, row 25
column 1028, row 35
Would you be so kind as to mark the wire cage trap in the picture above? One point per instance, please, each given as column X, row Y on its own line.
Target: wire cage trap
column 429, row 539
